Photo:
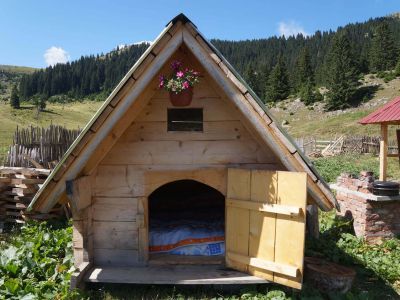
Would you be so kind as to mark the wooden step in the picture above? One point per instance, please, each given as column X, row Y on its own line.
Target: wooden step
column 180, row 274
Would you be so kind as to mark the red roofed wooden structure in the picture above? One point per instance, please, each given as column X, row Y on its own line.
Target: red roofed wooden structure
column 389, row 114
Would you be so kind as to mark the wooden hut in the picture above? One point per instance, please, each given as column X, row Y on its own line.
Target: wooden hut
column 131, row 175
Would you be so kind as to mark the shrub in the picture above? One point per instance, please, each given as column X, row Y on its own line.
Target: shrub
column 37, row 263
column 331, row 167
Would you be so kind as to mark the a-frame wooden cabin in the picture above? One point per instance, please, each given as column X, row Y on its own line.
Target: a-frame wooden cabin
column 127, row 173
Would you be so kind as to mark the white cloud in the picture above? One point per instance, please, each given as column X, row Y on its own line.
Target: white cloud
column 55, row 55
column 291, row 28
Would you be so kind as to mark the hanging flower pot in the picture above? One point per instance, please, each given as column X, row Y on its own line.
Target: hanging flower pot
column 183, row 98
column 179, row 84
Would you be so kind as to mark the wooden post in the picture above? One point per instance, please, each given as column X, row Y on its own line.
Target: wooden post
column 312, row 221
column 383, row 152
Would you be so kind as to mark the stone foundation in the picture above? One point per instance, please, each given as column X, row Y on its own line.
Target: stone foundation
column 375, row 217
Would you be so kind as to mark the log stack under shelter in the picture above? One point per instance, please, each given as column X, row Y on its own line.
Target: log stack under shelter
column 17, row 188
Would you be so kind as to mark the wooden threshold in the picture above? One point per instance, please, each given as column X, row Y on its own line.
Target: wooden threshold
column 168, row 259
column 181, row 274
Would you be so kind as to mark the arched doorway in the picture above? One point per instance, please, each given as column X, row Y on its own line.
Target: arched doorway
column 186, row 220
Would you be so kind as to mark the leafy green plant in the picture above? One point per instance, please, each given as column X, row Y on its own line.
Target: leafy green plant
column 331, row 167
column 338, row 243
column 37, row 263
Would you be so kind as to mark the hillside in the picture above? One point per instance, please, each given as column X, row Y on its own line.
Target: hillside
column 17, row 69
column 10, row 75
column 314, row 121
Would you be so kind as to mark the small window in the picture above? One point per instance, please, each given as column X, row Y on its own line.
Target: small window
column 185, row 119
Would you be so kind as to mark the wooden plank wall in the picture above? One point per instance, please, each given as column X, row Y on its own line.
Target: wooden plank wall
column 146, row 146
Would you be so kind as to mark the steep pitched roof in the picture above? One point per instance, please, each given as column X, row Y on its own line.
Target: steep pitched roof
column 99, row 134
column 389, row 113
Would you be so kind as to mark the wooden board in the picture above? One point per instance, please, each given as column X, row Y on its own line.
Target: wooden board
column 81, row 196
column 262, row 226
column 115, row 209
column 213, row 177
column 206, row 274
column 187, row 152
column 292, row 190
column 115, row 257
column 112, row 181
column 129, row 181
column 115, row 235
column 212, row 131
column 237, row 219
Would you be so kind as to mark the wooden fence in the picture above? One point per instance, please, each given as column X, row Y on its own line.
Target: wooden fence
column 39, row 147
column 350, row 144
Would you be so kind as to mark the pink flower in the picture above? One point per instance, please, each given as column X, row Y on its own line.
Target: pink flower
column 176, row 65
column 161, row 79
column 179, row 74
column 185, row 85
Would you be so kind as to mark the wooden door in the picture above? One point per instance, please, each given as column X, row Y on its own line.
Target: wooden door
column 265, row 224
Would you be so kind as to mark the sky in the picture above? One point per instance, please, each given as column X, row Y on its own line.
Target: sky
column 38, row 33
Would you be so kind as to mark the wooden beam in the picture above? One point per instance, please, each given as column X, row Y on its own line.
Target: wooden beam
column 264, row 264
column 77, row 278
column 79, row 193
column 383, row 152
column 312, row 221
column 268, row 208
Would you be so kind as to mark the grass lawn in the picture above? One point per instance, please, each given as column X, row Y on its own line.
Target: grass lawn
column 331, row 167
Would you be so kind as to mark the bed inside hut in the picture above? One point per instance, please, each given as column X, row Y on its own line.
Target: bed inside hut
column 186, row 224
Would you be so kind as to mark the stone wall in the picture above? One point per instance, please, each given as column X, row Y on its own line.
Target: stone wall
column 375, row 217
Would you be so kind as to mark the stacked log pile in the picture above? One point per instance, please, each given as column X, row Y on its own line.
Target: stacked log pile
column 17, row 189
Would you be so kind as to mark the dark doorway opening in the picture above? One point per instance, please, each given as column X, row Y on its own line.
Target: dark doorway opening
column 186, row 223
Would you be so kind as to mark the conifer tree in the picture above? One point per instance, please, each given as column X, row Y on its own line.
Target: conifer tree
column 342, row 78
column 305, row 83
column 383, row 51
column 40, row 103
column 252, row 79
column 306, row 93
column 278, row 82
column 304, row 70
column 14, row 99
